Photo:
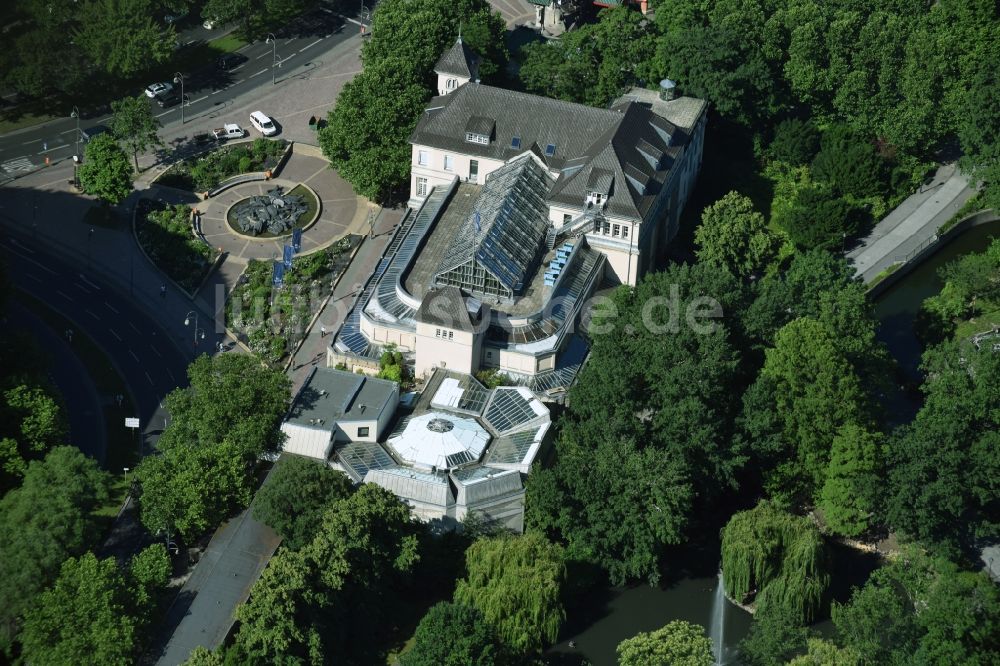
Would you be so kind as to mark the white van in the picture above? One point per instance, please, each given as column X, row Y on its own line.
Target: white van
column 263, row 123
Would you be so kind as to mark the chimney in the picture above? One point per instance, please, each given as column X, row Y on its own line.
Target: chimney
column 667, row 90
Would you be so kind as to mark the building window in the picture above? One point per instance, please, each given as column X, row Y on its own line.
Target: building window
column 437, row 332
column 567, row 218
column 617, row 230
column 489, row 354
column 422, row 158
column 451, row 335
column 421, row 187
column 607, row 228
column 624, row 231
column 474, row 171
column 362, row 432
column 449, row 162
column 472, row 137
column 450, row 85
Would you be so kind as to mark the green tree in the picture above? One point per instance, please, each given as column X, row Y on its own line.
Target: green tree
column 776, row 559
column 123, row 37
column 820, row 219
column 42, row 523
column 31, row 424
column 368, row 129
column 877, row 623
column 86, row 617
column 105, row 172
column 516, row 583
column 795, row 142
column 452, row 635
column 149, row 572
column 849, row 494
column 776, row 635
column 826, row 653
column 944, row 465
column 849, row 163
column 678, row 643
column 201, row 656
column 296, row 495
column 133, row 123
column 734, row 236
column 593, row 64
column 805, row 393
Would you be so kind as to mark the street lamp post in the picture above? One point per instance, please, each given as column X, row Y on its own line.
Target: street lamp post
column 179, row 78
column 187, row 322
column 362, row 16
column 76, row 156
column 274, row 53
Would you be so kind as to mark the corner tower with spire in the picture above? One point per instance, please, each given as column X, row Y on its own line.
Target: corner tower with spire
column 457, row 66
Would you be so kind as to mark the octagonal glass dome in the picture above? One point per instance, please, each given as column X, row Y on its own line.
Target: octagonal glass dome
column 437, row 440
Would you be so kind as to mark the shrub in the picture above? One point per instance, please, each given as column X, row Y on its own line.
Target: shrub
column 819, row 219
column 849, row 163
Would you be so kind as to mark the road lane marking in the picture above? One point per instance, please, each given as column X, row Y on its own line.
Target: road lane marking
column 197, row 100
column 308, row 45
column 84, row 278
column 63, row 295
column 69, row 131
column 52, row 150
column 82, row 288
column 172, row 378
column 156, row 351
column 260, row 72
column 133, row 355
column 28, row 143
column 92, row 315
column 43, row 267
column 115, row 333
column 134, row 328
column 150, row 379
column 111, row 307
column 33, row 277
column 262, row 55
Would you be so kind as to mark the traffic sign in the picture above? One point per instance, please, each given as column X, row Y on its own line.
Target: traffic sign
column 131, row 423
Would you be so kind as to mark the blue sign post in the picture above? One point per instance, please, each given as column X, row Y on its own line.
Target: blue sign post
column 278, row 277
column 297, row 240
column 287, row 253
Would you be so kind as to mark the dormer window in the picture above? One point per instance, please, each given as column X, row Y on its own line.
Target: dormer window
column 479, row 129
column 550, row 150
column 595, row 198
column 450, row 84
column 472, row 137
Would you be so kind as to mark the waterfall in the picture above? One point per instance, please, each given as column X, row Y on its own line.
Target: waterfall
column 717, row 626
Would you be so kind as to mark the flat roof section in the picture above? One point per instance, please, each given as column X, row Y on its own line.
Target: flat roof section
column 326, row 395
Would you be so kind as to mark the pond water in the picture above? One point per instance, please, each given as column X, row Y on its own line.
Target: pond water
column 897, row 307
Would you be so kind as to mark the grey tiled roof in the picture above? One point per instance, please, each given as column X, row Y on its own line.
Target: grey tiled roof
column 459, row 60
column 626, row 151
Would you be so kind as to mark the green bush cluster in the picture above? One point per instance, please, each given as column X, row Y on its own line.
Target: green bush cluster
column 271, row 319
column 207, row 171
column 167, row 237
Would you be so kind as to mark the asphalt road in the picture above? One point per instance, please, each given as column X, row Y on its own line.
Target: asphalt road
column 207, row 89
column 149, row 362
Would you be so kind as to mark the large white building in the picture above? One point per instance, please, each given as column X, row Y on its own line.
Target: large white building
column 460, row 449
column 521, row 206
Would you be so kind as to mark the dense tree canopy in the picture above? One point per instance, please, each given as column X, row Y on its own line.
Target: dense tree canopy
column 850, row 495
column 795, row 142
column 628, row 469
column 297, row 494
column 516, row 583
column 123, row 37
column 42, row 523
column 945, row 464
column 678, row 643
column 452, row 635
column 219, row 427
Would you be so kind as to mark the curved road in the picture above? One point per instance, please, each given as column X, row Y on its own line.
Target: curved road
column 149, row 362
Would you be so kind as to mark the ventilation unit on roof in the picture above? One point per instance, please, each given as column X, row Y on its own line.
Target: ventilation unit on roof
column 515, row 143
column 550, row 150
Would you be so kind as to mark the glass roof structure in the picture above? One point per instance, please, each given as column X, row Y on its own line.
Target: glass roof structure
column 514, row 448
column 439, row 441
column 463, row 393
column 358, row 458
column 494, row 252
column 513, row 406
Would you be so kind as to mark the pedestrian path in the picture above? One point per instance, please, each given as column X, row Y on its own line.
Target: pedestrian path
column 913, row 224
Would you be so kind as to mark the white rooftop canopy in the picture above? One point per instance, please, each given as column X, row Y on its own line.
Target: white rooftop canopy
column 440, row 440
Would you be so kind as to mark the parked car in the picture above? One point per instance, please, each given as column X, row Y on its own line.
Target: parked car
column 89, row 133
column 263, row 123
column 154, row 89
column 231, row 61
column 229, row 131
column 210, row 23
column 167, row 99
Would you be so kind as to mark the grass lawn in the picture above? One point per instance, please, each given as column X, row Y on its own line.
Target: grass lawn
column 989, row 318
column 227, row 43
column 122, row 446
